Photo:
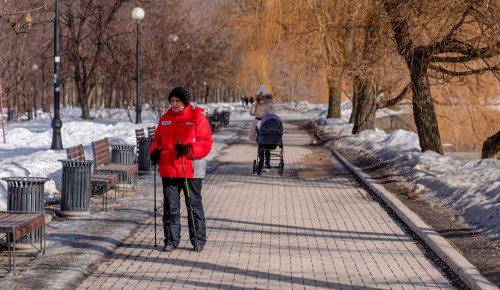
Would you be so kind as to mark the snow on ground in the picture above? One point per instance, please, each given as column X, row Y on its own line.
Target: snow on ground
column 472, row 187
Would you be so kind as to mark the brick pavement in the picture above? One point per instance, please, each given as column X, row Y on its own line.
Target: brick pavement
column 277, row 232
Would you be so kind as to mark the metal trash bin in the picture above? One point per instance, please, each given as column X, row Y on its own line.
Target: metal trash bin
column 225, row 116
column 123, row 154
column 218, row 118
column 26, row 194
column 143, row 160
column 76, row 188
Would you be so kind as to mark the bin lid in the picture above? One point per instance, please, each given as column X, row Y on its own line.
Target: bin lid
column 26, row 179
column 122, row 146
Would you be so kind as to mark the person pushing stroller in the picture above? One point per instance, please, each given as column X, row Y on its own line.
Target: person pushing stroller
column 263, row 106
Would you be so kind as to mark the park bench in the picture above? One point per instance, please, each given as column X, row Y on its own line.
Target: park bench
column 151, row 131
column 139, row 133
column 17, row 224
column 127, row 172
column 101, row 183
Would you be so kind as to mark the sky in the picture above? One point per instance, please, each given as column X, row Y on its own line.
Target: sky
column 470, row 186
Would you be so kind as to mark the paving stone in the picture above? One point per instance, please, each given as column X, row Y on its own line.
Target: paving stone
column 277, row 232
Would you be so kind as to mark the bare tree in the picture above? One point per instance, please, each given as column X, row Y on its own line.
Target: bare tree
column 328, row 30
column 463, row 40
column 364, row 60
column 88, row 29
column 22, row 46
column 184, row 49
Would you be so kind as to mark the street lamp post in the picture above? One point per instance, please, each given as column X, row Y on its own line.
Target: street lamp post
column 34, row 68
column 205, row 93
column 56, row 121
column 137, row 14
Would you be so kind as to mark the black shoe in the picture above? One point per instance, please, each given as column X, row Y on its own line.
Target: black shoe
column 168, row 248
column 199, row 248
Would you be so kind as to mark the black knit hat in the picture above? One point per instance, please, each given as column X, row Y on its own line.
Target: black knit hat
column 181, row 93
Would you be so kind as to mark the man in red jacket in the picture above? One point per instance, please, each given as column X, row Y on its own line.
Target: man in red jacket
column 182, row 140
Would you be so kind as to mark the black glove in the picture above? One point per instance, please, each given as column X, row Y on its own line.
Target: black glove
column 182, row 150
column 155, row 156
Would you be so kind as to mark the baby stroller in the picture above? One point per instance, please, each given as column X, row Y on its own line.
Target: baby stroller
column 269, row 138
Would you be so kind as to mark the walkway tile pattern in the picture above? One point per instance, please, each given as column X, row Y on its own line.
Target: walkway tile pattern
column 277, row 232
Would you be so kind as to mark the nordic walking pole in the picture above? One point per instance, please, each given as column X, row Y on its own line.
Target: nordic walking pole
column 189, row 202
column 154, row 186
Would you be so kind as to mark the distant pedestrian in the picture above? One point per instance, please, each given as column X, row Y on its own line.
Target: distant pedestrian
column 246, row 101
column 251, row 101
column 182, row 140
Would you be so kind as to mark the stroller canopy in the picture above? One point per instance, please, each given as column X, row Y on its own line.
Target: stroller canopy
column 270, row 131
column 271, row 125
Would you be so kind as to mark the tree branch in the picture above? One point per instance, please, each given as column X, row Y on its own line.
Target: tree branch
column 443, row 45
column 467, row 53
column 21, row 21
column 397, row 99
column 464, row 73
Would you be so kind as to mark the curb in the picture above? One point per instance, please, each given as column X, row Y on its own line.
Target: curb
column 461, row 266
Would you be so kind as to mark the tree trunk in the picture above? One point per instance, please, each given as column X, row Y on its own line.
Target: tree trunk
column 364, row 115
column 81, row 90
column 85, row 109
column 365, row 87
column 334, row 95
column 423, row 108
column 417, row 59
column 112, row 100
column 356, row 89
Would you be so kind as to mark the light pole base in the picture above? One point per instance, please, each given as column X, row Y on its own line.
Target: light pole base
column 138, row 119
column 56, row 135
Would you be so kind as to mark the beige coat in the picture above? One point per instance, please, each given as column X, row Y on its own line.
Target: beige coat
column 259, row 110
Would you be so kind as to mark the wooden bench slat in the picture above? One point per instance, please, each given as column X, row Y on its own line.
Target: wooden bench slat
column 9, row 217
column 29, row 225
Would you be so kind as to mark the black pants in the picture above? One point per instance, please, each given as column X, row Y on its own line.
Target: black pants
column 264, row 154
column 171, row 210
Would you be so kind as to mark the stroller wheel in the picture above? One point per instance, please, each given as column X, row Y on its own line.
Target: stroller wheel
column 254, row 166
column 281, row 167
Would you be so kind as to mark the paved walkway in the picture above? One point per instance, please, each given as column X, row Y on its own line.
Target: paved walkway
column 293, row 231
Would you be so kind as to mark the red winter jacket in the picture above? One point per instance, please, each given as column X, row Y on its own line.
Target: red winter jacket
column 191, row 127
